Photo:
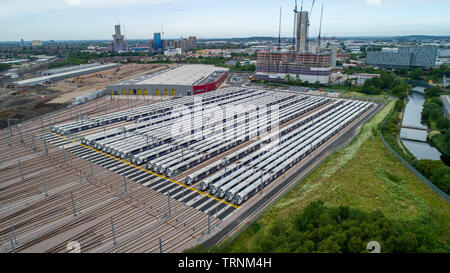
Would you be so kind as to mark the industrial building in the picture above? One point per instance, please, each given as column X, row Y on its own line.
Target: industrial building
column 301, row 64
column 65, row 75
column 183, row 80
column 408, row 56
column 119, row 44
column 69, row 68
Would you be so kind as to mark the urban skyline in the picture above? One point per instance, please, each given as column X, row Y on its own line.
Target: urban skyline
column 73, row 19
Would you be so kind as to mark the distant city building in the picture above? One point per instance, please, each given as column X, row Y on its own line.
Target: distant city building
column 157, row 43
column 172, row 51
column 36, row 43
column 411, row 56
column 192, row 42
column 119, row 44
column 183, row 43
column 342, row 56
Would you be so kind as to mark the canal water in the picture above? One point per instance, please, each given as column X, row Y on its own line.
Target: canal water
column 413, row 133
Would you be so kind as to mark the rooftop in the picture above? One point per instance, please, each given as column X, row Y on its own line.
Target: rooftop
column 64, row 74
column 188, row 74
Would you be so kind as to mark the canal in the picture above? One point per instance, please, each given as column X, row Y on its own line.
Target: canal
column 413, row 133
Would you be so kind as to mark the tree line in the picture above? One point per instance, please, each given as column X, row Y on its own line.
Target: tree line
column 322, row 229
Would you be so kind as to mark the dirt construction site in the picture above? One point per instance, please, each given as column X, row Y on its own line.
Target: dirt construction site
column 59, row 193
column 29, row 102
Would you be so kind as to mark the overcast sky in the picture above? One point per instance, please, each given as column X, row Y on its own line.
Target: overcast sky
column 94, row 19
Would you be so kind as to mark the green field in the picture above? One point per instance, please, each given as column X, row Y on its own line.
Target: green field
column 364, row 175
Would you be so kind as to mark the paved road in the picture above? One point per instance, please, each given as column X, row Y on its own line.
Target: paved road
column 226, row 230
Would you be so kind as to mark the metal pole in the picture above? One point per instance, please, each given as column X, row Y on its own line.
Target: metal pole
column 14, row 234
column 160, row 245
column 45, row 146
column 9, row 140
column 125, row 183
column 43, row 182
column 112, row 229
column 73, row 204
column 261, row 184
column 12, row 245
column 20, row 134
column 168, row 201
column 20, row 167
column 209, row 223
column 9, row 127
column 32, row 143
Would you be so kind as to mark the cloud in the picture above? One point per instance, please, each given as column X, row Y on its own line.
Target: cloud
column 73, row 2
column 373, row 2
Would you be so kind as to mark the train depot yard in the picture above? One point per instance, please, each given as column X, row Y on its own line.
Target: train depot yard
column 141, row 174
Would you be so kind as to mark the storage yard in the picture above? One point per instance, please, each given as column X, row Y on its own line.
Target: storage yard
column 144, row 175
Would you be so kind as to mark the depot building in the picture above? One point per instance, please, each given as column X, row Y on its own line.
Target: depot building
column 184, row 80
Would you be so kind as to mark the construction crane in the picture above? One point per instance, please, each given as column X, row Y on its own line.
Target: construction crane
column 279, row 33
column 320, row 28
column 310, row 11
column 295, row 21
column 117, row 18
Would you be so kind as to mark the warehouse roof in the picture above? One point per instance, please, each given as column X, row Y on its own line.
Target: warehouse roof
column 64, row 74
column 188, row 74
